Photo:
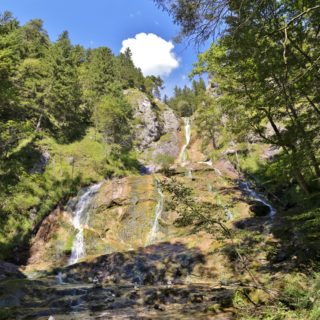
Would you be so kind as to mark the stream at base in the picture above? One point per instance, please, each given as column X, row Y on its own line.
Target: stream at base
column 149, row 283
column 248, row 190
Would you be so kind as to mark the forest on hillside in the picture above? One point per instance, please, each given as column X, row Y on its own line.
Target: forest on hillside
column 51, row 94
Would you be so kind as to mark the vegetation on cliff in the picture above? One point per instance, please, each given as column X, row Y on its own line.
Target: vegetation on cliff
column 262, row 112
column 64, row 122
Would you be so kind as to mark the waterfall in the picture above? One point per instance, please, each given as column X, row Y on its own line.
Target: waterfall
column 183, row 153
column 245, row 186
column 59, row 278
column 158, row 212
column 80, row 219
column 208, row 163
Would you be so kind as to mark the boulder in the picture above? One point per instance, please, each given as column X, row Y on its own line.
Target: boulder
column 9, row 270
column 259, row 209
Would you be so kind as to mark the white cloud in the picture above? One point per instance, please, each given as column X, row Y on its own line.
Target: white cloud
column 152, row 54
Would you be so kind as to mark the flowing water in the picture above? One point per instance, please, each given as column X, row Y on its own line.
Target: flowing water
column 183, row 157
column 208, row 163
column 183, row 154
column 80, row 219
column 245, row 186
column 158, row 212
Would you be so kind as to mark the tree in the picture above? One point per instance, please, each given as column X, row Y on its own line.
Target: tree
column 263, row 64
column 63, row 109
column 33, row 39
column 99, row 71
column 127, row 73
column 9, row 60
column 152, row 86
column 111, row 118
column 186, row 100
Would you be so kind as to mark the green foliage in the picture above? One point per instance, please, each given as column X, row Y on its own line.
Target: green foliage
column 11, row 134
column 112, row 119
column 263, row 74
column 164, row 160
column 299, row 299
column 152, row 86
column 186, row 100
column 200, row 215
column 127, row 73
column 62, row 95
column 61, row 99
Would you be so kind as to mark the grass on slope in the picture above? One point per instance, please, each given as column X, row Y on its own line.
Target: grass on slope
column 26, row 198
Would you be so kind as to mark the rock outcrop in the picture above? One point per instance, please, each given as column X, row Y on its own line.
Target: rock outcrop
column 148, row 128
column 156, row 130
column 52, row 243
column 9, row 271
column 40, row 166
column 122, row 216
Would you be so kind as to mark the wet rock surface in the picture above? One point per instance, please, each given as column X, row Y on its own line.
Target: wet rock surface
column 259, row 209
column 181, row 276
column 51, row 243
column 150, row 283
column 155, row 264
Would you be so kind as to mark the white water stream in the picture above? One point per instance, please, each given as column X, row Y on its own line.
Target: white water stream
column 158, row 212
column 81, row 219
column 183, row 157
column 208, row 163
column 183, row 154
column 245, row 186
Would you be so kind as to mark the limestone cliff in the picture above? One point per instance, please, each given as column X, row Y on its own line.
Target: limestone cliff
column 155, row 129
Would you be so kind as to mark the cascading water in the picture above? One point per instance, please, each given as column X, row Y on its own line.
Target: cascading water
column 245, row 186
column 208, row 163
column 80, row 219
column 183, row 154
column 158, row 212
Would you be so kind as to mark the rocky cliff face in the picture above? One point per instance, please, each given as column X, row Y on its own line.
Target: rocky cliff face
column 180, row 275
column 168, row 144
column 156, row 129
column 148, row 126
column 52, row 243
column 121, row 217
column 122, row 214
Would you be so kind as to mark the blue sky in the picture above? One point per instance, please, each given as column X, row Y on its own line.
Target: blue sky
column 106, row 23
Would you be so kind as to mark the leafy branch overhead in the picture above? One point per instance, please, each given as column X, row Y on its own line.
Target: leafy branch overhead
column 200, row 215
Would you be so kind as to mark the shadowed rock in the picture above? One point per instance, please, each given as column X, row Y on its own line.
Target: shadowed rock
column 9, row 270
column 259, row 208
